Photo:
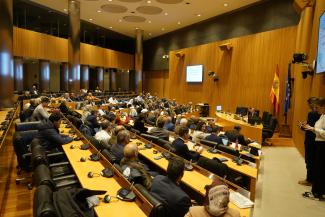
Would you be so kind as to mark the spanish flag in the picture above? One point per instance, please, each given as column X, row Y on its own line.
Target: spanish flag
column 275, row 90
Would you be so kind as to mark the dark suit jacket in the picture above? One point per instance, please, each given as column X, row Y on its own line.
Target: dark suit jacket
column 313, row 116
column 170, row 194
column 139, row 125
column 160, row 132
column 183, row 151
column 118, row 151
column 49, row 136
column 232, row 135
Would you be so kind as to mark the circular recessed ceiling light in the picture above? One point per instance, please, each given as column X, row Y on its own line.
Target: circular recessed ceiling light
column 170, row 1
column 90, row 19
column 149, row 21
column 149, row 33
column 225, row 4
column 134, row 19
column 65, row 9
column 198, row 15
column 130, row 0
column 165, row 13
column 111, row 27
column 120, row 20
column 111, row 8
column 148, row 2
column 163, row 29
column 151, row 10
column 179, row 22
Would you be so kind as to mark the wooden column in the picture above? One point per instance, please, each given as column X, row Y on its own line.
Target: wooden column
column 6, row 61
column 138, row 60
column 84, row 79
column 74, row 45
column 19, row 74
column 64, row 77
column 44, row 76
column 100, row 78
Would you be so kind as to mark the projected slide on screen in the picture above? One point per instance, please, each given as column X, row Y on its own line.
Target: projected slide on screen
column 194, row 73
column 320, row 67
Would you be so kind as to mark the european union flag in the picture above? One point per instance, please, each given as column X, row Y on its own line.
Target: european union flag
column 288, row 92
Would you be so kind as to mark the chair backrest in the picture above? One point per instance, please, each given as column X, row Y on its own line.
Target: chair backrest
column 165, row 144
column 159, row 209
column 149, row 137
column 42, row 176
column 43, row 202
column 38, row 154
column 208, row 143
column 25, row 126
column 266, row 117
column 241, row 110
column 213, row 166
column 109, row 156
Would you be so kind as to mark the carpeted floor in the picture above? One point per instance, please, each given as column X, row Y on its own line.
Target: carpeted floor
column 278, row 193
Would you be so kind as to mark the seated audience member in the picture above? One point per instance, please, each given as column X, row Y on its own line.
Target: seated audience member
column 67, row 98
column 234, row 135
column 133, row 169
column 91, row 120
column 123, row 138
column 199, row 133
column 213, row 137
column 104, row 135
column 26, row 114
column 63, row 107
column 112, row 100
column 48, row 132
column 34, row 90
column 183, row 122
column 215, row 202
column 166, row 189
column 40, row 112
column 181, row 148
column 85, row 112
column 140, row 121
column 152, row 117
column 169, row 124
column 116, row 130
column 133, row 112
column 122, row 118
column 159, row 130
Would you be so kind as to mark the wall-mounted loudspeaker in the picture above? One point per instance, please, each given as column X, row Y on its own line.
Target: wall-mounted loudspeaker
column 180, row 55
column 214, row 76
column 225, row 46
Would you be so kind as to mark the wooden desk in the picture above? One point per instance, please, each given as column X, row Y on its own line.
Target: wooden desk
column 228, row 122
column 192, row 179
column 116, row 207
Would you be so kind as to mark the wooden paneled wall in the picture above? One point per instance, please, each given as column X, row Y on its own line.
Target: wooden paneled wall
column 245, row 73
column 36, row 45
column 156, row 82
column 307, row 39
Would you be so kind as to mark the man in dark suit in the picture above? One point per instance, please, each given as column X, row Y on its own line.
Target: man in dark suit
column 181, row 148
column 213, row 137
column 123, row 138
column 235, row 135
column 312, row 117
column 159, row 131
column 166, row 189
column 49, row 134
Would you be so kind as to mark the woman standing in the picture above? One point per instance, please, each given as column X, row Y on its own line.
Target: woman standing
column 318, row 185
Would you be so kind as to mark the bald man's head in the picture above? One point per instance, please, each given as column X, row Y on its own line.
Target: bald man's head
column 131, row 151
column 118, row 129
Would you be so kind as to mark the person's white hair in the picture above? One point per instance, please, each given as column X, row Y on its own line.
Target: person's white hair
column 183, row 122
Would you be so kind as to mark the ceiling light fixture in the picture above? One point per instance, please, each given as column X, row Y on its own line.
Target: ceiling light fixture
column 120, row 20
column 148, row 2
column 225, row 4
column 136, row 28
column 198, row 15
column 162, row 29
column 111, row 27
column 99, row 11
column 149, row 21
column 65, row 9
column 90, row 19
column 149, row 33
column 166, row 13
column 179, row 22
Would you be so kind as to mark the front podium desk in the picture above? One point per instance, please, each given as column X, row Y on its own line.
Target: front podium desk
column 228, row 121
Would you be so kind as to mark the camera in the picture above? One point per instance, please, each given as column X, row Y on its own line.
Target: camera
column 299, row 58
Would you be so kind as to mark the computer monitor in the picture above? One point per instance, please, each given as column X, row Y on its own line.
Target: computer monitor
column 218, row 108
